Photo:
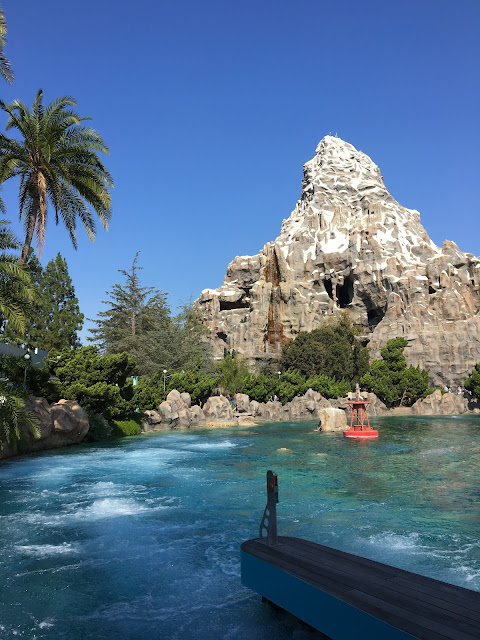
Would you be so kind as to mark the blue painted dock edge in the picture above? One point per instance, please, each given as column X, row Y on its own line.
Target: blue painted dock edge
column 324, row 612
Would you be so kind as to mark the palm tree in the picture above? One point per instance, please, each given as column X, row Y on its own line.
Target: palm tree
column 57, row 162
column 17, row 293
column 5, row 68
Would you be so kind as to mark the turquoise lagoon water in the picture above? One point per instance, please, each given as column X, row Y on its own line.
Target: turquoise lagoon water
column 139, row 539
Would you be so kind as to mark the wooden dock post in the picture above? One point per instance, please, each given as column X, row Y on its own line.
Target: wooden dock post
column 268, row 525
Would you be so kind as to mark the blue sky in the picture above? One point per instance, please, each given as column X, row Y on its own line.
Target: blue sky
column 211, row 109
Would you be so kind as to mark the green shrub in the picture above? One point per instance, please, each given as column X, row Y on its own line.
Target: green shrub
column 199, row 385
column 122, row 428
column 100, row 384
column 260, row 387
column 329, row 387
column 332, row 350
column 99, row 428
column 232, row 371
column 391, row 380
column 472, row 383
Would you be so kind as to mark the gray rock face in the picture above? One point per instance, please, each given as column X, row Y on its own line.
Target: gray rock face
column 349, row 245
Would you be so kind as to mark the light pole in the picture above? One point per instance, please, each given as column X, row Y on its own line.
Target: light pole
column 27, row 358
column 279, row 373
column 164, row 379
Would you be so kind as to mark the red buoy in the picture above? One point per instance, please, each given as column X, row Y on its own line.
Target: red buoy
column 361, row 430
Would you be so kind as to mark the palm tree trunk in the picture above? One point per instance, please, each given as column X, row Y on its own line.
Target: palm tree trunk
column 37, row 189
column 28, row 240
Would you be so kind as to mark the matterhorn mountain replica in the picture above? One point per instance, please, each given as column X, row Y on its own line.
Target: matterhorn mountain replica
column 349, row 245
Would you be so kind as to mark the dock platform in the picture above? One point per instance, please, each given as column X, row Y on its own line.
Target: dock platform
column 349, row 597
column 346, row 596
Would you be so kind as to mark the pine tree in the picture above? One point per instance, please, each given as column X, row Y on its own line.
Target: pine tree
column 193, row 351
column 61, row 319
column 53, row 321
column 137, row 321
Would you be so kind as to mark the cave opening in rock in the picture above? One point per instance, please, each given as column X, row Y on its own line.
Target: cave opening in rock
column 222, row 336
column 431, row 289
column 345, row 293
column 238, row 304
column 327, row 283
column 375, row 316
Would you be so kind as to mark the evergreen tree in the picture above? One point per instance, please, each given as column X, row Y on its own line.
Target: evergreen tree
column 332, row 350
column 193, row 351
column 137, row 321
column 472, row 383
column 60, row 318
column 53, row 321
column 390, row 378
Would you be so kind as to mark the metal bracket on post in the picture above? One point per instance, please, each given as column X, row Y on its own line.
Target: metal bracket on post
column 268, row 526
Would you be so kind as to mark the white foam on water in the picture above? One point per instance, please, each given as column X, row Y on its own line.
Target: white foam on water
column 225, row 444
column 46, row 550
column 397, row 542
column 109, row 508
column 46, row 624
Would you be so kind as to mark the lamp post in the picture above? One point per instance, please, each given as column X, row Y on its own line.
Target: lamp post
column 164, row 379
column 27, row 358
column 279, row 373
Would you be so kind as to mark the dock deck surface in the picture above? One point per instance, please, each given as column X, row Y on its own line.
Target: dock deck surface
column 427, row 609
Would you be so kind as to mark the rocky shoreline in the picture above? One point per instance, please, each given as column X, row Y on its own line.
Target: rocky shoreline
column 177, row 411
column 65, row 423
column 60, row 424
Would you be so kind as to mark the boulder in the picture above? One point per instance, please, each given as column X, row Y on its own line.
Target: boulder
column 186, row 399
column 151, row 421
column 272, row 411
column 438, row 404
column 59, row 425
column 176, row 412
column 332, row 419
column 218, row 409
column 306, row 407
column 69, row 417
column 243, row 403
column 197, row 417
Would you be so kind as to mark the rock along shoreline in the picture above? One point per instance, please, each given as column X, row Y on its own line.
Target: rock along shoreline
column 65, row 423
column 177, row 411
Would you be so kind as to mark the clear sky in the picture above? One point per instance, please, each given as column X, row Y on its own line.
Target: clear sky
column 211, row 108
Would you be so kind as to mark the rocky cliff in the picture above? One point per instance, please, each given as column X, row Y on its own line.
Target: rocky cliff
column 349, row 245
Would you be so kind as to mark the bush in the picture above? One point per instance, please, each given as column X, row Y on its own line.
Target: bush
column 329, row 387
column 100, row 384
column 472, row 383
column 232, row 372
column 392, row 381
column 289, row 385
column 99, row 428
column 123, row 428
column 260, row 387
column 199, row 385
column 148, row 394
column 332, row 350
